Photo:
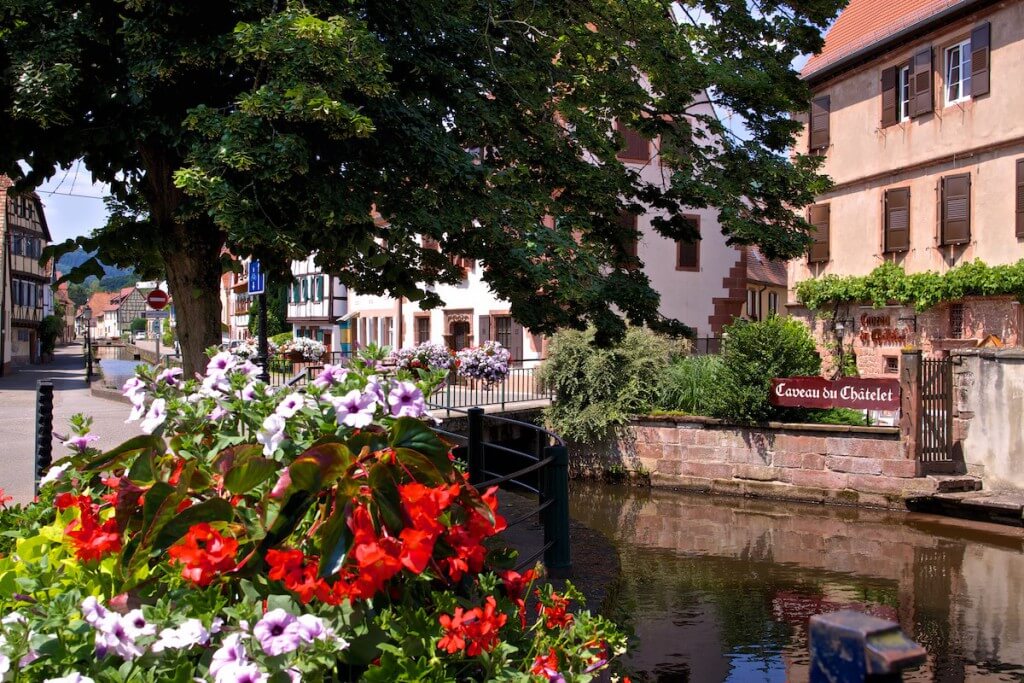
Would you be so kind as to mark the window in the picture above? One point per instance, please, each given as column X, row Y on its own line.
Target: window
column 819, row 218
column 958, row 72
column 1019, row 198
column 688, row 253
column 897, row 219
column 819, row 129
column 773, row 302
column 635, row 146
column 956, row 209
column 503, row 330
column 753, row 304
column 956, row 321
column 892, row 365
column 903, row 93
column 320, row 288
column 630, row 244
column 17, row 248
column 422, row 329
column 305, row 289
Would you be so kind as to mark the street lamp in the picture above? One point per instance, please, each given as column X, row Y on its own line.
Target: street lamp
column 87, row 315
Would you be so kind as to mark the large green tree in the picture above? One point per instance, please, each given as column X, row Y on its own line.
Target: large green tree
column 353, row 128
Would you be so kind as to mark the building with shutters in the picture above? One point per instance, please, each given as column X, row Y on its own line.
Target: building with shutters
column 917, row 110
column 317, row 306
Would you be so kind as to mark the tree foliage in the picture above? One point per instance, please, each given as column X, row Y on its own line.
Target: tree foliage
column 278, row 129
column 599, row 389
column 890, row 284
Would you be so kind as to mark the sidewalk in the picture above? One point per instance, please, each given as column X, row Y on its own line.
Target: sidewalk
column 71, row 395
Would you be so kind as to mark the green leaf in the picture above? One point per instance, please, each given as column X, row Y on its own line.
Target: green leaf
column 415, row 435
column 320, row 466
column 334, row 539
column 248, row 474
column 148, row 443
column 425, row 471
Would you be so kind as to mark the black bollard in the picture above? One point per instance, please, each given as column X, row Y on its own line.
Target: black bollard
column 850, row 647
column 44, row 428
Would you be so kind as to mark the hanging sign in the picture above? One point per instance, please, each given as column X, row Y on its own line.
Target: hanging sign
column 847, row 392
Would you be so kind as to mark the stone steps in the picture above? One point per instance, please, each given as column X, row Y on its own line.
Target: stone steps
column 949, row 483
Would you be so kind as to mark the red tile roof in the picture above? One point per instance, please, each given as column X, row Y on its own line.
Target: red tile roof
column 866, row 22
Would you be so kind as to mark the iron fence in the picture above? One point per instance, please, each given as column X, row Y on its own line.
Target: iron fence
column 522, row 385
column 542, row 470
column 707, row 346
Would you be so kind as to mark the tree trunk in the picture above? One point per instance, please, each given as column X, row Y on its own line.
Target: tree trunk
column 193, row 275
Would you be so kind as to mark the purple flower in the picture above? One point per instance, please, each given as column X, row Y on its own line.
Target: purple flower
column 272, row 434
column 231, row 654
column 170, row 376
column 93, row 611
column 311, row 627
column 406, row 400
column 190, row 633
column 373, row 386
column 331, row 375
column 53, row 474
column 113, row 638
column 74, row 677
column 291, row 404
column 80, row 443
column 248, row 392
column 221, row 364
column 241, row 673
column 136, row 626
column 283, row 482
column 248, row 368
column 215, row 385
column 133, row 388
column 217, row 414
column 155, row 417
column 278, row 632
column 354, row 409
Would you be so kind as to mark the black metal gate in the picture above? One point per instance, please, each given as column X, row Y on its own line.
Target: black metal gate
column 935, row 430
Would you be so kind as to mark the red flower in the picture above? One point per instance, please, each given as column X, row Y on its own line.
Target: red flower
column 555, row 614
column 204, row 553
column 474, row 631
column 91, row 539
column 547, row 665
column 4, row 498
column 516, row 585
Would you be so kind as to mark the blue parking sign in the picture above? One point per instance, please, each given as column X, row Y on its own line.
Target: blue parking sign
column 255, row 278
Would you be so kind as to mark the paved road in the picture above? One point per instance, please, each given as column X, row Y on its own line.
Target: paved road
column 71, row 395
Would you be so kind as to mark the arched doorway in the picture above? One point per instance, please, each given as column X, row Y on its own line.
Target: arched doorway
column 462, row 334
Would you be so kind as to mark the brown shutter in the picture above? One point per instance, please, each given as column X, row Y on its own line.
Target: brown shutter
column 956, row 209
column 921, row 100
column 1020, row 198
column 979, row 59
column 890, row 96
column 818, row 217
column 897, row 219
column 688, row 252
column 819, row 123
column 485, row 328
column 516, row 342
column 635, row 146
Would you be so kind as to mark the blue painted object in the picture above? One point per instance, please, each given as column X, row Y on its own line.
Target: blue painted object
column 850, row 647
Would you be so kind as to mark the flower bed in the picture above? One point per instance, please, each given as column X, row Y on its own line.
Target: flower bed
column 259, row 536
column 303, row 349
column 487, row 363
column 250, row 349
column 426, row 356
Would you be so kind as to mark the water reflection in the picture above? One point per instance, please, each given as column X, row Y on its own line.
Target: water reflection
column 117, row 364
column 720, row 589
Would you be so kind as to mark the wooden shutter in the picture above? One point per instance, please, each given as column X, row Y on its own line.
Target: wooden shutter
column 688, row 252
column 980, row 39
column 819, row 122
column 818, row 217
column 516, row 342
column 485, row 328
column 635, row 146
column 630, row 246
column 956, row 209
column 1020, row 198
column 897, row 219
column 921, row 80
column 890, row 96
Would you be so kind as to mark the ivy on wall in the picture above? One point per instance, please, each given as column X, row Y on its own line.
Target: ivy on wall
column 888, row 284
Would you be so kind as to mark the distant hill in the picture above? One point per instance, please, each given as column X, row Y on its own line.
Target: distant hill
column 114, row 278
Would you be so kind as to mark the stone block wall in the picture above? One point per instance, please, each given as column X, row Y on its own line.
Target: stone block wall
column 819, row 463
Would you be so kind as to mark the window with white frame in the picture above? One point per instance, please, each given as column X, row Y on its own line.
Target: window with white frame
column 958, row 72
column 773, row 302
column 903, row 93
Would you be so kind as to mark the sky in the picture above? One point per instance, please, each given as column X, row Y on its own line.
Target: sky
column 73, row 204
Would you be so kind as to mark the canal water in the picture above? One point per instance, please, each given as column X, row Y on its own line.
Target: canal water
column 720, row 589
column 117, row 364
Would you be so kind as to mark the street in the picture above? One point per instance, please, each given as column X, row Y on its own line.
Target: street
column 71, row 395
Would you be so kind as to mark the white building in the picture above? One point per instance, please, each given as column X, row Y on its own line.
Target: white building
column 317, row 304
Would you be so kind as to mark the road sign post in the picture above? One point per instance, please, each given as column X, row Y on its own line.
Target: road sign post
column 157, row 300
column 257, row 286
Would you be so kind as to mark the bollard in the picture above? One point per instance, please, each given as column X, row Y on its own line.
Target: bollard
column 556, row 517
column 850, row 647
column 475, row 447
column 44, row 428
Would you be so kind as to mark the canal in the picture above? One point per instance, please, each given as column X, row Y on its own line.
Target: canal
column 117, row 364
column 720, row 589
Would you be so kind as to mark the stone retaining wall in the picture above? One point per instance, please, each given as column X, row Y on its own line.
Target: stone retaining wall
column 820, row 463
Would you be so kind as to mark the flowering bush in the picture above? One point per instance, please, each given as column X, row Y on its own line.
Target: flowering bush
column 306, row 347
column 487, row 362
column 262, row 536
column 425, row 356
column 250, row 349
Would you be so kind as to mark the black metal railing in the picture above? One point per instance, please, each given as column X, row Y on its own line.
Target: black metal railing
column 522, row 385
column 285, row 371
column 707, row 346
column 540, row 469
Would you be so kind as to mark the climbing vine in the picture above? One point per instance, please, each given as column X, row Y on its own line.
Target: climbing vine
column 888, row 284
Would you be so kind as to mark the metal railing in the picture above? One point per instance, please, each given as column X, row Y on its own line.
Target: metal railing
column 707, row 346
column 286, row 372
column 522, row 385
column 542, row 471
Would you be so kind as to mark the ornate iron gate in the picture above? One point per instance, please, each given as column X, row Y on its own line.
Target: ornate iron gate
column 935, row 428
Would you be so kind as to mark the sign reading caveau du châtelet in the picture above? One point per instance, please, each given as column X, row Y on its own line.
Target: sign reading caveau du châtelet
column 847, row 392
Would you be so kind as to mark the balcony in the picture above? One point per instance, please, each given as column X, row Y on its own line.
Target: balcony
column 26, row 314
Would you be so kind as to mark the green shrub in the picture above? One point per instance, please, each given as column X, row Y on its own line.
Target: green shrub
column 282, row 338
column 838, row 416
column 689, row 385
column 49, row 330
column 597, row 389
column 752, row 354
column 138, row 325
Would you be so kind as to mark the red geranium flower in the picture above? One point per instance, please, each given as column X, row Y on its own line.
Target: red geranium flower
column 555, row 614
column 204, row 553
column 474, row 631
